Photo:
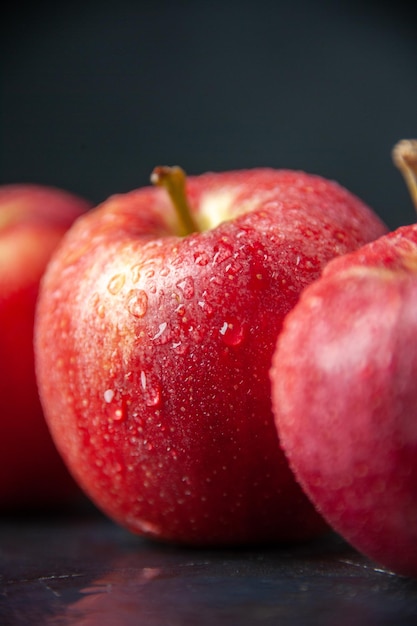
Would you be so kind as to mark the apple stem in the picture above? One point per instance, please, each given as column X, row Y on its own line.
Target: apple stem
column 173, row 180
column 404, row 156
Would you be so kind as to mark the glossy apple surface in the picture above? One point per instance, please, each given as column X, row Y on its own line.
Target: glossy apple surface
column 33, row 219
column 153, row 350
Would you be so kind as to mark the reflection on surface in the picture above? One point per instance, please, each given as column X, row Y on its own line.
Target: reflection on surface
column 116, row 598
column 236, row 589
column 89, row 572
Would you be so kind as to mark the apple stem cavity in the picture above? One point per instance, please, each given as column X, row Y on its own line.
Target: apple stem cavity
column 173, row 180
column 404, row 156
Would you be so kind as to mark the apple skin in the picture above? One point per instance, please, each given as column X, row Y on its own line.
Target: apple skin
column 345, row 397
column 33, row 219
column 153, row 351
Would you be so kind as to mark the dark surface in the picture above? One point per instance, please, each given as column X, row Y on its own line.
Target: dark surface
column 86, row 571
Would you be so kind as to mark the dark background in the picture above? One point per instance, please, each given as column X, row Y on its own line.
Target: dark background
column 95, row 94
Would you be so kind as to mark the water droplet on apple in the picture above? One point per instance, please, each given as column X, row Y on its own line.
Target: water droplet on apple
column 222, row 254
column 223, row 329
column 135, row 272
column 94, row 300
column 108, row 395
column 137, row 302
column 151, row 390
column 196, row 333
column 161, row 329
column 152, row 395
column 180, row 347
column 206, row 307
column 186, row 286
column 232, row 333
column 233, row 268
column 116, row 284
column 164, row 271
column 180, row 310
column 201, row 258
column 119, row 415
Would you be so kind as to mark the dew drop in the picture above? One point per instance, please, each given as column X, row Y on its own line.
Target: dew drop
column 152, row 395
column 196, row 334
column 118, row 415
column 233, row 268
column 101, row 310
column 161, row 330
column 232, row 333
column 152, row 286
column 221, row 255
column 186, row 286
column 201, row 258
column 135, row 271
column 223, row 329
column 180, row 347
column 94, row 300
column 108, row 395
column 137, row 303
column 116, row 284
column 164, row 271
column 206, row 307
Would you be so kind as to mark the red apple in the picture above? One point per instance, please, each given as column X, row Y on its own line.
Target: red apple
column 33, row 219
column 155, row 331
column 345, row 395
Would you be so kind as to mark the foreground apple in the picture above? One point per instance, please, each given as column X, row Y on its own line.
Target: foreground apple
column 345, row 395
column 33, row 219
column 155, row 331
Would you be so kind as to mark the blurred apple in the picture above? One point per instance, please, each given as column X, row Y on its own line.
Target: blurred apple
column 33, row 219
column 345, row 396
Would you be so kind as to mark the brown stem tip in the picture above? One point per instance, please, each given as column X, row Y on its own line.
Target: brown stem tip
column 404, row 156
